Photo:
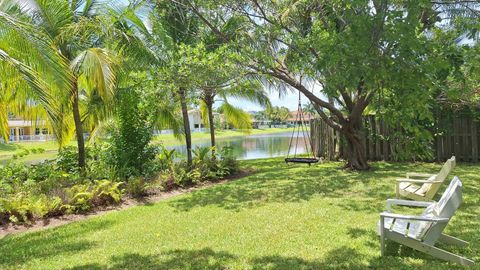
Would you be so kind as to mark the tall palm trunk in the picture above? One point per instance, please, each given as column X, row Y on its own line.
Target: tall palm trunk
column 186, row 124
column 78, row 128
column 209, row 103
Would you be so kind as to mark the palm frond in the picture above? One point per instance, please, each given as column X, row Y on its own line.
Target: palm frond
column 236, row 116
column 166, row 117
column 204, row 113
column 95, row 67
column 50, row 15
column 40, row 93
column 249, row 90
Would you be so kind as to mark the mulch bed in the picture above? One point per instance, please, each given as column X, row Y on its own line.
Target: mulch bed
column 127, row 202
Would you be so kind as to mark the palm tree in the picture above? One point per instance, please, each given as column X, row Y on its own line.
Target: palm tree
column 171, row 28
column 310, row 109
column 24, row 55
column 69, row 28
column 152, row 35
column 180, row 27
column 238, row 118
column 277, row 114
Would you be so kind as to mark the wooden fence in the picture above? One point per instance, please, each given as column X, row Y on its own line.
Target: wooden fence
column 459, row 136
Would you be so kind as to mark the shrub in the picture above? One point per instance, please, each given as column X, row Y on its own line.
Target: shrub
column 13, row 171
column 136, row 187
column 106, row 192
column 228, row 163
column 45, row 206
column 16, row 207
column 99, row 164
column 23, row 207
column 82, row 197
column 130, row 138
column 79, row 198
column 203, row 168
column 67, row 159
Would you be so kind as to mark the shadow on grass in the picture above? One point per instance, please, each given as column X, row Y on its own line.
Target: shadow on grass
column 18, row 249
column 277, row 182
column 273, row 182
column 341, row 258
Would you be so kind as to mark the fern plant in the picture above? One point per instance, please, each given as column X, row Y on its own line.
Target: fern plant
column 106, row 191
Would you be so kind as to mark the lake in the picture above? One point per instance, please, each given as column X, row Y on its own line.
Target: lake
column 244, row 147
column 254, row 146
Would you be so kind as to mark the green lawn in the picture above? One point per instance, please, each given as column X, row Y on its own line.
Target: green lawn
column 281, row 217
column 14, row 147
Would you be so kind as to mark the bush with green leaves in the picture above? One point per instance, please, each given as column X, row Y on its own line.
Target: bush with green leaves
column 24, row 206
column 205, row 167
column 36, row 191
column 131, row 152
column 136, row 187
column 83, row 197
column 106, row 192
column 67, row 159
column 50, row 188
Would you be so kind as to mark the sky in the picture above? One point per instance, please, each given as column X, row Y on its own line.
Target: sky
column 289, row 100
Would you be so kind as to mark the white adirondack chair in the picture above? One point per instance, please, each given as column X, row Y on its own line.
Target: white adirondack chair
column 422, row 232
column 421, row 186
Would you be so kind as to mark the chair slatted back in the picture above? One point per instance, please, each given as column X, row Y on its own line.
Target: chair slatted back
column 444, row 208
column 432, row 189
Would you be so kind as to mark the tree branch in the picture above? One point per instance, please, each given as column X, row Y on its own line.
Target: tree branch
column 290, row 80
column 327, row 119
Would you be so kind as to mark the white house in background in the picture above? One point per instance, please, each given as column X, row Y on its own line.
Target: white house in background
column 24, row 130
column 196, row 121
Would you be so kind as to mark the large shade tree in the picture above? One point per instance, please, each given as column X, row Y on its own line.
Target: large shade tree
column 74, row 32
column 359, row 52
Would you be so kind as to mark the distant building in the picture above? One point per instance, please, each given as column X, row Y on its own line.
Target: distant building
column 259, row 120
column 24, row 130
column 294, row 118
column 196, row 121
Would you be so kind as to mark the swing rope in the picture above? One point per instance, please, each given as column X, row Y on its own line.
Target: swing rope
column 300, row 119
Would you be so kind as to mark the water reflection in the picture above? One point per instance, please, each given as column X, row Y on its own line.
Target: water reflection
column 255, row 146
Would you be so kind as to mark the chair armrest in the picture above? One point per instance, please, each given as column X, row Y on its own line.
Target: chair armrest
column 391, row 202
column 407, row 180
column 383, row 215
column 419, row 175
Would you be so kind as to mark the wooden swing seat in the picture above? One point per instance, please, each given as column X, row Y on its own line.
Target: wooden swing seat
column 301, row 160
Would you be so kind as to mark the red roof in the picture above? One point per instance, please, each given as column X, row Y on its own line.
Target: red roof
column 306, row 116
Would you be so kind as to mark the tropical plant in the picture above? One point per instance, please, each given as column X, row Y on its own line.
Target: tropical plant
column 171, row 26
column 71, row 35
column 218, row 78
column 277, row 114
column 130, row 137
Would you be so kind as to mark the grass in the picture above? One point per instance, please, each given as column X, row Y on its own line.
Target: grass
column 17, row 147
column 280, row 217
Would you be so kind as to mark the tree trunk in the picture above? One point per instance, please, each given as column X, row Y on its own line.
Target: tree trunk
column 78, row 128
column 354, row 149
column 186, row 124
column 211, row 124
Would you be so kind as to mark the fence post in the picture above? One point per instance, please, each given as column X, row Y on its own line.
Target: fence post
column 474, row 138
